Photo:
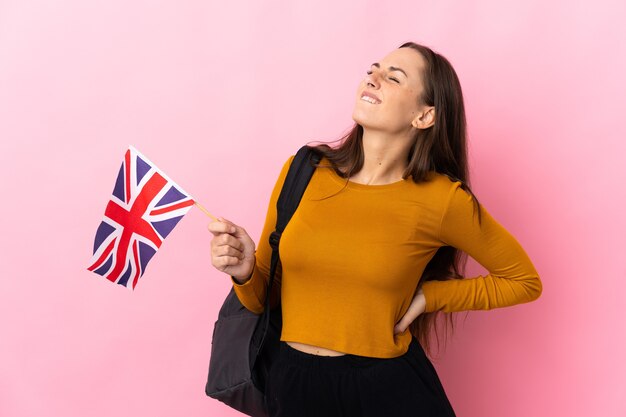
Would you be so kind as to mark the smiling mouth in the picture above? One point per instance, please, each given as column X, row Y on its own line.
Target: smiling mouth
column 370, row 99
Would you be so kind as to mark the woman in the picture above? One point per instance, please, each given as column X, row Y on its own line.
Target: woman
column 374, row 251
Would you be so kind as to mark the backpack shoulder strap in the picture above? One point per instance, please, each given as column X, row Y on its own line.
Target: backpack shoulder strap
column 296, row 181
column 298, row 177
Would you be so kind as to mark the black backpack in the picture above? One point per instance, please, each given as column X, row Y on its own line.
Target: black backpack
column 244, row 345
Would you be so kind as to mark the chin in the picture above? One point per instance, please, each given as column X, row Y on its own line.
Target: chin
column 358, row 118
column 366, row 123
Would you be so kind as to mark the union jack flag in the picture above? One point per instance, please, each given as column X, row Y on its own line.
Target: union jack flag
column 145, row 207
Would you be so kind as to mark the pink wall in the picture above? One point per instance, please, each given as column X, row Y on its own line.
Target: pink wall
column 219, row 95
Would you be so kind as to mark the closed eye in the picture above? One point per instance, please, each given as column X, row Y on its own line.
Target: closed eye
column 391, row 78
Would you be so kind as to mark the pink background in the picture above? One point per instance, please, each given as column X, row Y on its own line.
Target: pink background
column 219, row 94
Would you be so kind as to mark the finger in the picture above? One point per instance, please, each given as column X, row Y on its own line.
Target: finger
column 237, row 231
column 401, row 326
column 228, row 251
column 229, row 240
column 223, row 262
column 218, row 228
column 226, row 245
column 411, row 314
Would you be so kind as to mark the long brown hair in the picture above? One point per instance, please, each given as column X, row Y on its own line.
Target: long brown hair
column 441, row 148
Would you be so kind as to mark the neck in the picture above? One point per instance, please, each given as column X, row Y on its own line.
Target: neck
column 384, row 158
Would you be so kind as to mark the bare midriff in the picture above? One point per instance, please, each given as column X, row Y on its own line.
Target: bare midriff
column 314, row 350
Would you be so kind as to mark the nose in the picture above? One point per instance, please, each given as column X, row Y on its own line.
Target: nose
column 371, row 80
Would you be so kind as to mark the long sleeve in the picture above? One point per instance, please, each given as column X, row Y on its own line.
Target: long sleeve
column 512, row 278
column 252, row 292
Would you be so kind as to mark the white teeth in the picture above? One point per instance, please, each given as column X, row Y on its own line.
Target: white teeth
column 369, row 99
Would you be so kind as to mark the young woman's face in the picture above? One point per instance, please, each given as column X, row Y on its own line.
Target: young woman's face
column 388, row 97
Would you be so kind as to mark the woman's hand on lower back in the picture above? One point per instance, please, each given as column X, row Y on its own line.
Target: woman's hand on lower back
column 232, row 249
column 417, row 307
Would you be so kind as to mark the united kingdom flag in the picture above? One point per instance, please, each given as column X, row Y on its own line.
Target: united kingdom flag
column 145, row 207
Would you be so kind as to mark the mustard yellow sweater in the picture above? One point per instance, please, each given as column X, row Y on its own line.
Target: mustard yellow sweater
column 353, row 254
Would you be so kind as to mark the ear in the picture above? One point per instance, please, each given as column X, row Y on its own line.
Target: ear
column 424, row 119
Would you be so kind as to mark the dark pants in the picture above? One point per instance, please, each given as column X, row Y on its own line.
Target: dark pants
column 306, row 385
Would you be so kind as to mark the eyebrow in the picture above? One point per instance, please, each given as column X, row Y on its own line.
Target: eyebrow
column 391, row 68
